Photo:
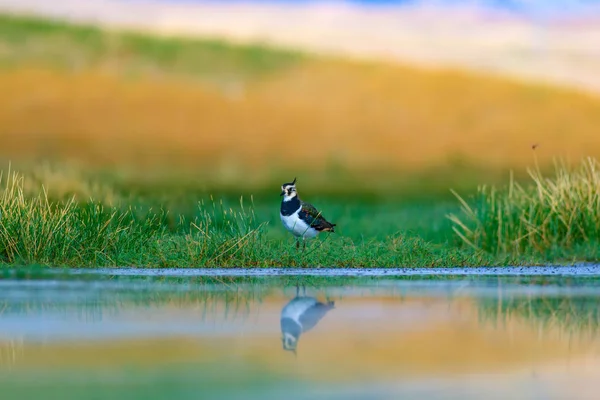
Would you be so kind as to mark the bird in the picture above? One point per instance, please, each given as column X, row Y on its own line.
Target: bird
column 300, row 315
column 302, row 219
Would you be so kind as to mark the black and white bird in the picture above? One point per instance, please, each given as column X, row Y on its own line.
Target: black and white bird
column 300, row 218
column 299, row 316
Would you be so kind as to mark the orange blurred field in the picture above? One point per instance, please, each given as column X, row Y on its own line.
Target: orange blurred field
column 355, row 116
column 371, row 121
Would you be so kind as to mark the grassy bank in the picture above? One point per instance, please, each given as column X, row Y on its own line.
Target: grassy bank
column 37, row 228
column 217, row 117
column 80, row 232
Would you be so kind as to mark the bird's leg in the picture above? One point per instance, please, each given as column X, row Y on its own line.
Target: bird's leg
column 297, row 244
column 297, row 290
column 304, row 289
column 304, row 244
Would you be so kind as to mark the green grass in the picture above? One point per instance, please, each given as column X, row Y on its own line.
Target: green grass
column 40, row 42
column 550, row 215
column 35, row 230
column 70, row 229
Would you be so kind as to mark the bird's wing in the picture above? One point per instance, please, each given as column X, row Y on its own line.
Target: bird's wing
column 314, row 217
column 310, row 210
column 311, row 316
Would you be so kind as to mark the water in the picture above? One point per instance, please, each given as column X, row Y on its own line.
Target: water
column 118, row 335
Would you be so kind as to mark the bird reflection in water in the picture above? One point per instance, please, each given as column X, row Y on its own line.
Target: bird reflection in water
column 300, row 315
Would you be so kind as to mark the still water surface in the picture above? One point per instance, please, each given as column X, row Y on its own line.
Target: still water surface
column 116, row 336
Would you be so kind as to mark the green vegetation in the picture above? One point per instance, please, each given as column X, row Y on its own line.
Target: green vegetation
column 37, row 230
column 40, row 42
column 576, row 314
column 550, row 216
column 66, row 229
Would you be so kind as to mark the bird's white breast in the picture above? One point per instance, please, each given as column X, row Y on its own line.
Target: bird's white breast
column 297, row 307
column 294, row 224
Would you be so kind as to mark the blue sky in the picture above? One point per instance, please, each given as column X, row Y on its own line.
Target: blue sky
column 519, row 6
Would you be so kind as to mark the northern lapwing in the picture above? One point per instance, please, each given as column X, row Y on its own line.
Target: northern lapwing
column 302, row 219
column 299, row 316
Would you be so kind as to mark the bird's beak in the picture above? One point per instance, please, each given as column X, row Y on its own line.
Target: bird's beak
column 282, row 192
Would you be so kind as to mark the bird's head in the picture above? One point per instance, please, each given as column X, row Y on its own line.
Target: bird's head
column 288, row 190
column 290, row 342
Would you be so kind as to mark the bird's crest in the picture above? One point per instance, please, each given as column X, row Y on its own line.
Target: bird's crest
column 289, row 189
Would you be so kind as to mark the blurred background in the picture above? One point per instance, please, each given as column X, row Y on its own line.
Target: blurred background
column 382, row 99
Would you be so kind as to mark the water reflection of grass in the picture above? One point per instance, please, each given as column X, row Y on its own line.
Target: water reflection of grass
column 94, row 296
column 10, row 352
column 212, row 298
column 174, row 382
column 445, row 337
column 572, row 314
column 233, row 296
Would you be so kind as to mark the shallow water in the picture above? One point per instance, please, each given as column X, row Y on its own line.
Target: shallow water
column 117, row 335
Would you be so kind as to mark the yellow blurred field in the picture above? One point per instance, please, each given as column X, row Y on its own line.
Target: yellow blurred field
column 356, row 116
column 370, row 121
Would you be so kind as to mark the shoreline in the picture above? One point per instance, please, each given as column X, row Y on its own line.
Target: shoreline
column 579, row 270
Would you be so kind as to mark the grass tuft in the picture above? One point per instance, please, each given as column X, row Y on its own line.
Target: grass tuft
column 219, row 235
column 37, row 230
column 558, row 212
